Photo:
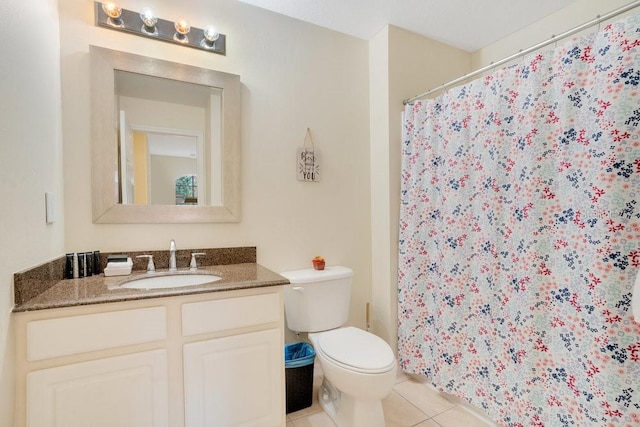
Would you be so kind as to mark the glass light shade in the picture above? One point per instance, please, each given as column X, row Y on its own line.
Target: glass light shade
column 112, row 10
column 182, row 27
column 149, row 19
column 210, row 34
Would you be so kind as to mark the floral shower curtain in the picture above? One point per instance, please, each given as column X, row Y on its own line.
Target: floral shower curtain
column 520, row 236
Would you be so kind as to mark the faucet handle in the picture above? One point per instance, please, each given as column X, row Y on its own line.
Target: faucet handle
column 194, row 264
column 151, row 267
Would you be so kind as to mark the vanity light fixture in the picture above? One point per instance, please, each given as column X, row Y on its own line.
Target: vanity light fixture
column 182, row 31
column 149, row 21
column 113, row 12
column 109, row 15
column 211, row 35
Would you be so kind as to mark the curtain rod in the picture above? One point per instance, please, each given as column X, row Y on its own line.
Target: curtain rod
column 553, row 39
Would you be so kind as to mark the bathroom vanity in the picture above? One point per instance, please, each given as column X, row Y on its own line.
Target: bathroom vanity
column 208, row 355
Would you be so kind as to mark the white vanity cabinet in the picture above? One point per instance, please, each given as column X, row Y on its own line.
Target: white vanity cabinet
column 128, row 390
column 210, row 360
column 230, row 381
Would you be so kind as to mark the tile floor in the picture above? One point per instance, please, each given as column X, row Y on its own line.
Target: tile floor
column 411, row 403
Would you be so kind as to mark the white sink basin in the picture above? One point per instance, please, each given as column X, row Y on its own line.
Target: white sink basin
column 171, row 281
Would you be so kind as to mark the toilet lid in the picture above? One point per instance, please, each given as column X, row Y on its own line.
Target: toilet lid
column 357, row 349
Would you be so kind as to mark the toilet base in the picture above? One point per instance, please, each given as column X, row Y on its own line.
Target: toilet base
column 346, row 411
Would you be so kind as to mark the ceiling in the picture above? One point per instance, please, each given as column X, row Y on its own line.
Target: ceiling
column 466, row 24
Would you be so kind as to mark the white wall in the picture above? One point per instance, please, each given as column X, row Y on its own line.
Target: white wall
column 294, row 75
column 30, row 158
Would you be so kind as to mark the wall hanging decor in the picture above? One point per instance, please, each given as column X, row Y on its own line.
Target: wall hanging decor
column 308, row 161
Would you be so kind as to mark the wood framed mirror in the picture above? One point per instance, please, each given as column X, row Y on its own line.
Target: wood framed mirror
column 155, row 121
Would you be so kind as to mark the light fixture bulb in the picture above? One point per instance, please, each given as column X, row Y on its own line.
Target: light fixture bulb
column 210, row 34
column 182, row 27
column 112, row 10
column 149, row 19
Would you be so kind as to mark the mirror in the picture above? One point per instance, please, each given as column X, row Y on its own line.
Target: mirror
column 164, row 156
column 165, row 141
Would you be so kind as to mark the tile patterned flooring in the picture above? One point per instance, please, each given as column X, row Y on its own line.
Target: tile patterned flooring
column 411, row 403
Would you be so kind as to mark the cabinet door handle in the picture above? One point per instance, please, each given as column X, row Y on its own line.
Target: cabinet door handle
column 298, row 288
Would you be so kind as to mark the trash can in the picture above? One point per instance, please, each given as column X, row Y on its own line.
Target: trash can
column 298, row 364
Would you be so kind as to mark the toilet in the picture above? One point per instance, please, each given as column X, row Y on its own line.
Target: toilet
column 359, row 367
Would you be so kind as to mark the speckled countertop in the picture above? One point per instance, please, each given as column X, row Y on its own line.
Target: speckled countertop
column 42, row 287
column 100, row 289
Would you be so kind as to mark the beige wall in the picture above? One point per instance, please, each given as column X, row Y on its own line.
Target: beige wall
column 294, row 75
column 165, row 170
column 30, row 158
column 401, row 64
column 381, row 286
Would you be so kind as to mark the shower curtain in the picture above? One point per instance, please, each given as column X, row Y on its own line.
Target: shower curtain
column 520, row 236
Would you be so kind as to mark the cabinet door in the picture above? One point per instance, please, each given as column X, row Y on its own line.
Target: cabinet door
column 235, row 381
column 123, row 391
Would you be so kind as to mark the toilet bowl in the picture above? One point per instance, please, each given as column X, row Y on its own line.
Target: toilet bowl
column 359, row 371
column 359, row 367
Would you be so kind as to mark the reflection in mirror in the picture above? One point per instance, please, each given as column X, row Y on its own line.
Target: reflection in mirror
column 151, row 155
column 173, row 155
column 151, row 163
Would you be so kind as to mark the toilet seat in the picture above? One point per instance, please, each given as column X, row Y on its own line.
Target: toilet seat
column 356, row 350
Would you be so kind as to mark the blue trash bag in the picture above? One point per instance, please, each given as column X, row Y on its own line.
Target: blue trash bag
column 298, row 354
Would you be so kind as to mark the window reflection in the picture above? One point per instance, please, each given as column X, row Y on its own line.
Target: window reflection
column 187, row 190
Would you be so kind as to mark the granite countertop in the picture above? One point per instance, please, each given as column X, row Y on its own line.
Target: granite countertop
column 100, row 289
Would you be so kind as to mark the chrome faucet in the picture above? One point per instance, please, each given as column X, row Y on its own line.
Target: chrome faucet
column 172, row 256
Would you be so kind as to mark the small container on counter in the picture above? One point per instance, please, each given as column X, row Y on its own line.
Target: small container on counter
column 88, row 263
column 81, row 264
column 118, row 265
column 97, row 265
column 68, row 266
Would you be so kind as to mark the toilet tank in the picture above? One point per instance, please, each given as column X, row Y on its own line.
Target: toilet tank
column 317, row 300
